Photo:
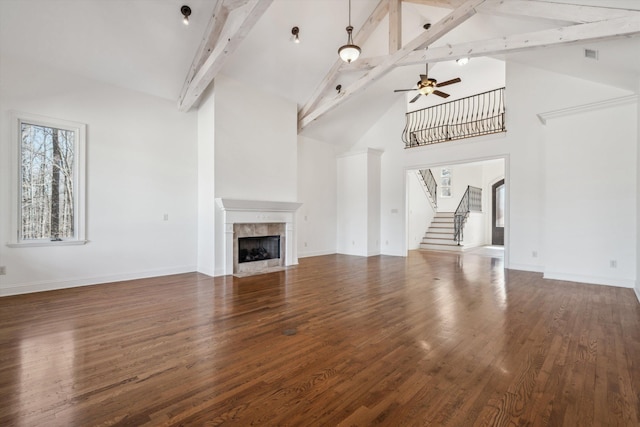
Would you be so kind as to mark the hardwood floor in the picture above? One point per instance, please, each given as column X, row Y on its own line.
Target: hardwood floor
column 434, row 339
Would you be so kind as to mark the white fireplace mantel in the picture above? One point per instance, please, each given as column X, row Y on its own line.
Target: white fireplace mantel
column 258, row 211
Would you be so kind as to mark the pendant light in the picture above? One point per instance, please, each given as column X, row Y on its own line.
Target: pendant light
column 349, row 52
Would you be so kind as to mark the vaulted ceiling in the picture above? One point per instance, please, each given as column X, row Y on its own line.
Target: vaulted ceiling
column 143, row 45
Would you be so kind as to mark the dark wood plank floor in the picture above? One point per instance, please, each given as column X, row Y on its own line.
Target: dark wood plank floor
column 433, row 339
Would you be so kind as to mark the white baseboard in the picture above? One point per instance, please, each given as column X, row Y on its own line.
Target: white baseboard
column 315, row 253
column 219, row 272
column 594, row 280
column 525, row 267
column 394, row 253
column 208, row 271
column 27, row 288
column 637, row 291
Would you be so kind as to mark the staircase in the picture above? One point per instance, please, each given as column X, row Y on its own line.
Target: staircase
column 439, row 236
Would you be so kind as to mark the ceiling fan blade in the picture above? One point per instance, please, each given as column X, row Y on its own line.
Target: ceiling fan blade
column 449, row 82
column 442, row 94
column 404, row 90
column 416, row 98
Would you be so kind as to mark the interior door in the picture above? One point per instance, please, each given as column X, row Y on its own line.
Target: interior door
column 497, row 213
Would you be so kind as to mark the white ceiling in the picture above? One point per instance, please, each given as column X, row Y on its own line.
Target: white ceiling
column 143, row 45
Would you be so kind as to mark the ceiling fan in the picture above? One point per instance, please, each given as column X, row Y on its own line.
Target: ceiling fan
column 427, row 86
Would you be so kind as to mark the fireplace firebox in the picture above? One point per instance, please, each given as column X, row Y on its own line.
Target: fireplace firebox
column 258, row 248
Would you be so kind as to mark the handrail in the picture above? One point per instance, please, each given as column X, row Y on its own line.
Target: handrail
column 471, row 202
column 476, row 115
column 431, row 184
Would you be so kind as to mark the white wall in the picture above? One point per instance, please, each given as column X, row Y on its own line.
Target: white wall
column 317, row 185
column 255, row 143
column 141, row 165
column 373, row 203
column 420, row 210
column 255, row 148
column 385, row 136
column 206, row 180
column 352, row 206
column 591, row 196
column 526, row 147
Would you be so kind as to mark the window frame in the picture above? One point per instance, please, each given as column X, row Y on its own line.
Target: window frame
column 79, row 179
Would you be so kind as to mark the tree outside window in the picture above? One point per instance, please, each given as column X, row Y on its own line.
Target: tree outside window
column 50, row 180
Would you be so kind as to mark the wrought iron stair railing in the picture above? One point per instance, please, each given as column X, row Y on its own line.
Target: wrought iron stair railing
column 471, row 202
column 480, row 114
column 431, row 185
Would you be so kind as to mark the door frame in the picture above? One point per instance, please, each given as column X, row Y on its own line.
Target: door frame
column 418, row 162
column 493, row 187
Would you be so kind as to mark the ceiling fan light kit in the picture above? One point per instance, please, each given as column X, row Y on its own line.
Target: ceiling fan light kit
column 427, row 86
column 349, row 52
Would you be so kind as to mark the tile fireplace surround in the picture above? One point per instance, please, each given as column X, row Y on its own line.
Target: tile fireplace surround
column 252, row 212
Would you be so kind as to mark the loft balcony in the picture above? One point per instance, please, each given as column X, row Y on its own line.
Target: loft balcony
column 476, row 115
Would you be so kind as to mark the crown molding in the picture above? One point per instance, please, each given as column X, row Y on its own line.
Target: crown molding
column 593, row 106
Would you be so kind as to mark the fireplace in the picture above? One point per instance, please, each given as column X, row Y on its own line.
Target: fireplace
column 260, row 248
column 256, row 219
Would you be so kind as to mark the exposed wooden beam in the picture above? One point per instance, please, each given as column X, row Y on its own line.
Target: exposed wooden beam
column 626, row 26
column 360, row 37
column 436, row 31
column 557, row 11
column 227, row 31
column 395, row 25
column 209, row 40
column 450, row 4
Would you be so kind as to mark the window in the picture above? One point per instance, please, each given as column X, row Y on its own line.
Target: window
column 49, row 176
column 445, row 182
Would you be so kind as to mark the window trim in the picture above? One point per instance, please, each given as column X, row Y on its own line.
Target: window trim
column 79, row 179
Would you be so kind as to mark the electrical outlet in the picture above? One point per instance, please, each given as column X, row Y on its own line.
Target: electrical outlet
column 166, row 217
column 305, row 244
column 613, row 263
column 3, row 270
column 534, row 254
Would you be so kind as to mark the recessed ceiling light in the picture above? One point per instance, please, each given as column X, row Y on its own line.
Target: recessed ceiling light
column 462, row 61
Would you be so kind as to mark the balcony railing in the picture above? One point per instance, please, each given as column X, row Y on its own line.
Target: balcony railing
column 476, row 115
